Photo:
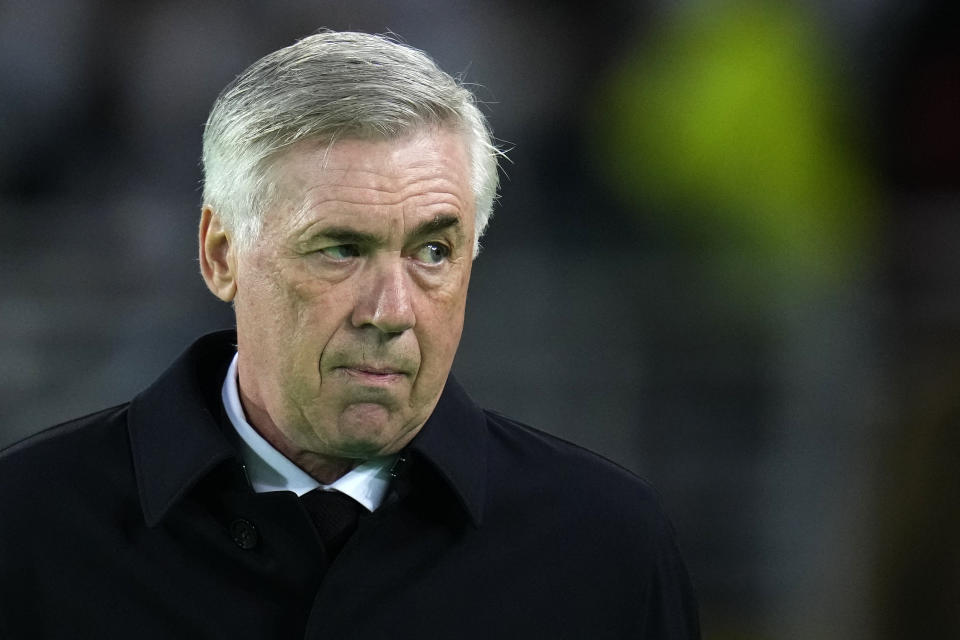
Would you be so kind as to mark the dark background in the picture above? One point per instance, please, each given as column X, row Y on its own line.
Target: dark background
column 725, row 256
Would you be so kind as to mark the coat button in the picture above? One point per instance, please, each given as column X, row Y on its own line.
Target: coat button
column 244, row 533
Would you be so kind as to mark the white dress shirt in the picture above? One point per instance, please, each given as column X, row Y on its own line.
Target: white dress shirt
column 269, row 470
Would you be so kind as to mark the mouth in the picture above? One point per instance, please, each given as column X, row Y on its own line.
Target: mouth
column 370, row 374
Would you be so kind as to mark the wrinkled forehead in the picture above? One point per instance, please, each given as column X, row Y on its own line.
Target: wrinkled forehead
column 427, row 170
column 386, row 155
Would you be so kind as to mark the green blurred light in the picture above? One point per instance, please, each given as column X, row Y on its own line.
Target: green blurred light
column 729, row 117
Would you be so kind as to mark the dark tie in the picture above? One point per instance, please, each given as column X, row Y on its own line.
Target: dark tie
column 335, row 516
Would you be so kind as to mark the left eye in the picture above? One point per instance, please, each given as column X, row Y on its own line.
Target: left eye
column 433, row 253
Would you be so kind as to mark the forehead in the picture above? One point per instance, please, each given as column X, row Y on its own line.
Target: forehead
column 426, row 167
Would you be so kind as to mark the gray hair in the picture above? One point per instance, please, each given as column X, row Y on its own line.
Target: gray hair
column 329, row 86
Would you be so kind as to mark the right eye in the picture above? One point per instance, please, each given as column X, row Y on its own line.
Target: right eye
column 341, row 252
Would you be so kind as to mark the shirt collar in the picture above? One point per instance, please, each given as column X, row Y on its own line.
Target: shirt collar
column 269, row 470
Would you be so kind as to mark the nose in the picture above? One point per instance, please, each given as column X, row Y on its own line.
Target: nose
column 384, row 297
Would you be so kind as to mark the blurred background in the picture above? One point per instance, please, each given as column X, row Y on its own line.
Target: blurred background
column 725, row 257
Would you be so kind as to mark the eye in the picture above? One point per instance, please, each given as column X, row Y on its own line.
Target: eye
column 432, row 253
column 341, row 252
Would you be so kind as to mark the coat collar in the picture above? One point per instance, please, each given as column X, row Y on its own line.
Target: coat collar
column 454, row 440
column 175, row 425
column 178, row 435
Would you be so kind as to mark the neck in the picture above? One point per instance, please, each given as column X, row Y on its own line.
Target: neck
column 323, row 469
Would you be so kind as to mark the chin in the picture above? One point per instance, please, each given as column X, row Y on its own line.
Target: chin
column 367, row 430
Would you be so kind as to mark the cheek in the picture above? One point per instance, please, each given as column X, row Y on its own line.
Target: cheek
column 318, row 307
column 289, row 291
column 275, row 310
column 311, row 294
column 441, row 325
column 257, row 286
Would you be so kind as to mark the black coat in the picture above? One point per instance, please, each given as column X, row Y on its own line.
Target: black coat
column 137, row 522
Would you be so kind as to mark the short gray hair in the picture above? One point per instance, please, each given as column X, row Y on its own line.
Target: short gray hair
column 329, row 86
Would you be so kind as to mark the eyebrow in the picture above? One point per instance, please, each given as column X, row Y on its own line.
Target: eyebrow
column 348, row 235
column 436, row 224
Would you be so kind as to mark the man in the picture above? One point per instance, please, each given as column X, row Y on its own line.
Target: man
column 318, row 473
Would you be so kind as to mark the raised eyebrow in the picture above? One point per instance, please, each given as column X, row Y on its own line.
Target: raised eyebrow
column 348, row 235
column 436, row 224
column 345, row 235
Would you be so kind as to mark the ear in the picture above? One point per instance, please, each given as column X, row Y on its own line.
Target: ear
column 218, row 262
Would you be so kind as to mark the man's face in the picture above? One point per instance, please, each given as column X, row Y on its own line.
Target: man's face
column 350, row 305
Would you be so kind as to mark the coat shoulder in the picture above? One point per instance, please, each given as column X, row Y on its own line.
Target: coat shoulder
column 523, row 439
column 606, row 522
column 65, row 455
column 68, row 433
column 554, row 468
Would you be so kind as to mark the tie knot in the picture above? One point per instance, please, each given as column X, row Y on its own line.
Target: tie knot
column 335, row 516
